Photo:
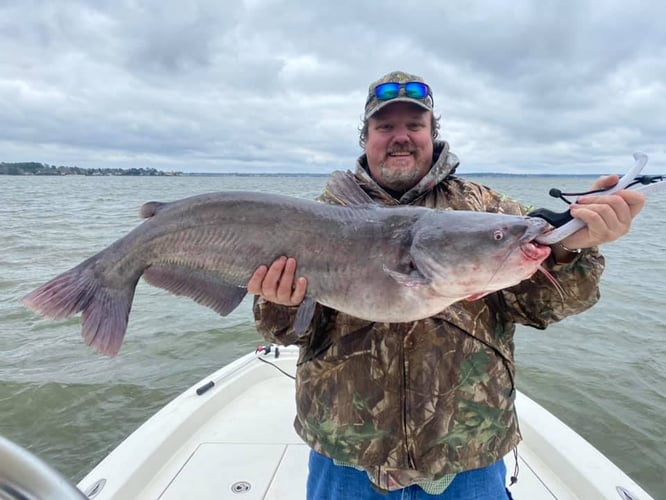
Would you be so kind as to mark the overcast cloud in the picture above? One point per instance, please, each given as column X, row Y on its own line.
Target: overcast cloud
column 279, row 85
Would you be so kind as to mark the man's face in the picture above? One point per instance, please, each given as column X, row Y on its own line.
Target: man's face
column 399, row 146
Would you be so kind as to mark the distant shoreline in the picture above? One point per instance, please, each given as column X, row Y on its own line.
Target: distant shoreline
column 42, row 169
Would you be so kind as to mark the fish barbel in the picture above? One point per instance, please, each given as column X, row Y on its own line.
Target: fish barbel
column 396, row 264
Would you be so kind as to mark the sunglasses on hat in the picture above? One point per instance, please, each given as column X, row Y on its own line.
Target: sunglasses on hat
column 391, row 90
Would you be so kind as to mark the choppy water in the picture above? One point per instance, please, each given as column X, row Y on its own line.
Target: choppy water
column 602, row 372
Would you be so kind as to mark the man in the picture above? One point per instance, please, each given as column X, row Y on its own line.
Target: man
column 424, row 409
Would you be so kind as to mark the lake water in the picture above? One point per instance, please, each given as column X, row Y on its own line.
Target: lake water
column 602, row 372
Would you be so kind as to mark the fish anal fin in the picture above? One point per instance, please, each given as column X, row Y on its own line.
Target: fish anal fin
column 304, row 316
column 412, row 279
column 203, row 287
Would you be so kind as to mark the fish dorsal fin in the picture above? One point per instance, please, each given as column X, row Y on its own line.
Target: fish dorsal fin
column 343, row 188
column 151, row 208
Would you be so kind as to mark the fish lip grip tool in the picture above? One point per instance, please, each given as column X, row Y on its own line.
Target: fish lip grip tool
column 565, row 225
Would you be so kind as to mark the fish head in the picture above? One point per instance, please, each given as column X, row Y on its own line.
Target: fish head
column 470, row 254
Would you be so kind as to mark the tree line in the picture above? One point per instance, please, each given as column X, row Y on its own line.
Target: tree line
column 35, row 168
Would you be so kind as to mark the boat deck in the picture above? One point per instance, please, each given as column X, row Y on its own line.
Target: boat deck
column 237, row 441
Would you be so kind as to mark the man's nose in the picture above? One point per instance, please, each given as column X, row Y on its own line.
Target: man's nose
column 401, row 135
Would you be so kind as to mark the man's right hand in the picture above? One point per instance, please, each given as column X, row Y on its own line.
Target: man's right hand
column 278, row 283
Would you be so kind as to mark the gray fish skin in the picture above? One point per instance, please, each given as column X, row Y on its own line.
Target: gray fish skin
column 380, row 264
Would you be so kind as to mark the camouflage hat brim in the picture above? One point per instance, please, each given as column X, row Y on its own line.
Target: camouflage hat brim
column 371, row 110
column 373, row 104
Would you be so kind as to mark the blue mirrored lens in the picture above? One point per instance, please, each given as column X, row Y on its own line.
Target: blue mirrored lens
column 416, row 90
column 385, row 91
column 391, row 90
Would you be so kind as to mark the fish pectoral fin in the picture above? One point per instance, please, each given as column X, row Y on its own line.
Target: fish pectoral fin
column 203, row 287
column 412, row 279
column 304, row 316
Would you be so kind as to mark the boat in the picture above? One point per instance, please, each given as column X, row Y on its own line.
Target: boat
column 231, row 436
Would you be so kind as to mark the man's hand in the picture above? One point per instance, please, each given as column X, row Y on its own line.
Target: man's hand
column 277, row 283
column 608, row 217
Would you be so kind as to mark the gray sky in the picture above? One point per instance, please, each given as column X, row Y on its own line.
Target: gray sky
column 279, row 85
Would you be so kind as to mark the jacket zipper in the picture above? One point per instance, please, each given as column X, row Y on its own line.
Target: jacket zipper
column 403, row 396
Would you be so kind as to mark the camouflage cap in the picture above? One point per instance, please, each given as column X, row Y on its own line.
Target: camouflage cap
column 372, row 104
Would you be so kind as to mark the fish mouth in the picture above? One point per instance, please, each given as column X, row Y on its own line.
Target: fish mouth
column 529, row 246
column 534, row 251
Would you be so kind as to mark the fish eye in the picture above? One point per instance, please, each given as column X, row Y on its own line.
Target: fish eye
column 498, row 235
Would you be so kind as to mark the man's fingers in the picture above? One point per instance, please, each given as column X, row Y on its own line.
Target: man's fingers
column 254, row 284
column 597, row 230
column 286, row 283
column 635, row 199
column 608, row 217
column 277, row 283
column 272, row 279
column 613, row 209
column 622, row 206
column 299, row 291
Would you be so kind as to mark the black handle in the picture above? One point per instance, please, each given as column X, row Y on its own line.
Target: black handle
column 553, row 218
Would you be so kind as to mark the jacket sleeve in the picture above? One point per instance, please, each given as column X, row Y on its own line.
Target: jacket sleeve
column 539, row 302
column 274, row 322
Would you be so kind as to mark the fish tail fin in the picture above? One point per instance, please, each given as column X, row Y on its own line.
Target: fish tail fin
column 105, row 310
column 63, row 296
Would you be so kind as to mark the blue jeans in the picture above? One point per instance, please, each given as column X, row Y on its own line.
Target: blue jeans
column 327, row 481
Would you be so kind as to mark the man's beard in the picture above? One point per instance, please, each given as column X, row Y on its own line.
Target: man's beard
column 398, row 179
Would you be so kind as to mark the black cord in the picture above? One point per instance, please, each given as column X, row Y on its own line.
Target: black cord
column 277, row 368
column 641, row 179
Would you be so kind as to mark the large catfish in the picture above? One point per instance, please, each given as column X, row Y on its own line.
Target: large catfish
column 380, row 264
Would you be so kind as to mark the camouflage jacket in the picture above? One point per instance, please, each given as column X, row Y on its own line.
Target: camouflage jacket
column 411, row 402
